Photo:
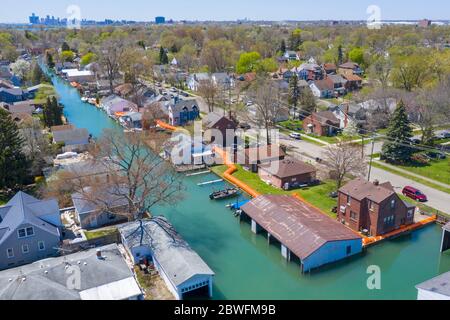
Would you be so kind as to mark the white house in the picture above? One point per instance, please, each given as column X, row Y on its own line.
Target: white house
column 435, row 289
column 182, row 269
column 114, row 104
column 291, row 55
column 75, row 75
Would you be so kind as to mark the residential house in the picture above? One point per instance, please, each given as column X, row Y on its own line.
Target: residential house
column 287, row 174
column 100, row 210
column 373, row 208
column 323, row 89
column 221, row 127
column 339, row 84
column 60, row 66
column 309, row 72
column 251, row 158
column 350, row 114
column 195, row 80
column 71, row 136
column 78, row 76
column 24, row 107
column 131, row 120
column 354, row 82
column 330, row 68
column 13, row 95
column 181, row 150
column 291, row 56
column 105, row 275
column 182, row 112
column 114, row 105
column 32, row 91
column 323, row 123
column 306, row 234
column 350, row 68
column 156, row 241
column 435, row 289
column 223, row 80
column 30, row 230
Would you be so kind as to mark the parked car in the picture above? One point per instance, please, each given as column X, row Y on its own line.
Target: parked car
column 244, row 126
column 443, row 135
column 296, row 136
column 414, row 194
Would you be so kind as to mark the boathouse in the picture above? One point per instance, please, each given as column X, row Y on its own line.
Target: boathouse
column 305, row 233
column 181, row 268
column 445, row 238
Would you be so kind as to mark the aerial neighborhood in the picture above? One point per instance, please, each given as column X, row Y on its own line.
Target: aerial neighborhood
column 164, row 159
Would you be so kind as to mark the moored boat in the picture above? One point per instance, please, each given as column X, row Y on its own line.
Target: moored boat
column 224, row 194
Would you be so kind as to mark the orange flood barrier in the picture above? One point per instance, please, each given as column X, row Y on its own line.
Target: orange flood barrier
column 228, row 175
column 166, row 126
column 372, row 240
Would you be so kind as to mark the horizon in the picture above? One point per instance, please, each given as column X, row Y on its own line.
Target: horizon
column 232, row 10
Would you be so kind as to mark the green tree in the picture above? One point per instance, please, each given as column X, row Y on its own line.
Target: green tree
column 267, row 65
column 56, row 112
column 163, row 58
column 396, row 149
column 13, row 163
column 67, row 56
column 88, row 58
column 49, row 59
column 248, row 62
column 307, row 102
column 356, row 55
column 340, row 57
column 283, row 46
column 295, row 39
column 65, row 47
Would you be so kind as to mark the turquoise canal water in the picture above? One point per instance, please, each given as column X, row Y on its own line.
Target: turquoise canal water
column 248, row 268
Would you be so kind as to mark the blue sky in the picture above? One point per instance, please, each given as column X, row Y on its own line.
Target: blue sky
column 19, row 10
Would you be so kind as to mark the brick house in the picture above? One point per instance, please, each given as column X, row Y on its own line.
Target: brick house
column 253, row 157
column 373, row 207
column 322, row 123
column 288, row 173
column 225, row 126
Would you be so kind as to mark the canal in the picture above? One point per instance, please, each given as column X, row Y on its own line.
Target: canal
column 247, row 268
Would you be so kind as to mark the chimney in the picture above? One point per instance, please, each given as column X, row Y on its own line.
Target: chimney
column 376, row 183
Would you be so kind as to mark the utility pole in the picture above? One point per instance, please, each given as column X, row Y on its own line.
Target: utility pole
column 371, row 157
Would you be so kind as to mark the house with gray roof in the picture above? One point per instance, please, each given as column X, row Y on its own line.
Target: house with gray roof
column 73, row 136
column 181, row 112
column 102, row 273
column 99, row 210
column 435, row 289
column 113, row 104
column 30, row 230
column 182, row 269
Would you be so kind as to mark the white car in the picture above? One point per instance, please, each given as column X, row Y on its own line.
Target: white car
column 296, row 136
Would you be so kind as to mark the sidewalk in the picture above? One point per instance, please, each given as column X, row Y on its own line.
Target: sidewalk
column 409, row 173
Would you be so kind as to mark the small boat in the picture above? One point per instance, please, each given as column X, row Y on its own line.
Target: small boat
column 224, row 194
column 84, row 99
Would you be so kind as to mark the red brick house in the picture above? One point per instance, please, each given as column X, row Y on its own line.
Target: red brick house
column 288, row 173
column 222, row 124
column 373, row 207
column 354, row 82
column 322, row 123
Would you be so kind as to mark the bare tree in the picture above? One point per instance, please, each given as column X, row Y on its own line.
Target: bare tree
column 266, row 96
column 345, row 159
column 133, row 176
column 110, row 55
column 209, row 91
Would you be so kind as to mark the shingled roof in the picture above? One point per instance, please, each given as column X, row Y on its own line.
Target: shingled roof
column 360, row 189
column 288, row 168
column 300, row 227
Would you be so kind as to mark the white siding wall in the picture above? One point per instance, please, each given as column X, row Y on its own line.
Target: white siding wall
column 428, row 295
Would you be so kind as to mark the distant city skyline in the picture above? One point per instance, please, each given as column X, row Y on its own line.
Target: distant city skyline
column 144, row 10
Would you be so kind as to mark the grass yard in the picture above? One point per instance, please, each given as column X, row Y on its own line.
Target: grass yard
column 438, row 170
column 317, row 195
column 90, row 235
column 422, row 181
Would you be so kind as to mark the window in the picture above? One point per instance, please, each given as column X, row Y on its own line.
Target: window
column 25, row 249
column 41, row 245
column 23, row 233
column 353, row 216
column 349, row 200
column 10, row 253
column 371, row 206
column 393, row 204
column 410, row 213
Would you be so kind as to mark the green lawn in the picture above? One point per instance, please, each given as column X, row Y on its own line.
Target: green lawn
column 90, row 235
column 317, row 196
column 422, row 181
column 438, row 170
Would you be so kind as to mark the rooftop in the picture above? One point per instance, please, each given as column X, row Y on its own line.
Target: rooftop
column 440, row 285
column 360, row 189
column 288, row 168
column 108, row 278
column 302, row 228
column 175, row 256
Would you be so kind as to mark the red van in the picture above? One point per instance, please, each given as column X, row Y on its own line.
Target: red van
column 414, row 194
